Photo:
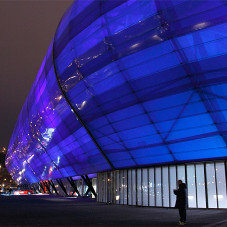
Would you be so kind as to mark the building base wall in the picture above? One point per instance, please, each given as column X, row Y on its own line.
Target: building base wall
column 154, row 186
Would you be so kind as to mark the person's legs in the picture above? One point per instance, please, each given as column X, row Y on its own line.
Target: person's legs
column 182, row 213
column 184, row 216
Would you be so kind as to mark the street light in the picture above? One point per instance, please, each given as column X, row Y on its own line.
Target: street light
column 4, row 150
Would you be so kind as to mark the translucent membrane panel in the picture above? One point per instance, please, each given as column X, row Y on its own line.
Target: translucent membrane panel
column 172, row 185
column 221, row 184
column 151, row 185
column 139, row 187
column 158, row 186
column 120, row 72
column 165, row 186
column 129, row 187
column 133, row 187
column 145, row 186
column 191, row 186
column 200, row 186
column 211, row 188
column 181, row 173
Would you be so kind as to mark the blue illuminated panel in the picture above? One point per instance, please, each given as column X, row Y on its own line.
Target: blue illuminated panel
column 147, row 80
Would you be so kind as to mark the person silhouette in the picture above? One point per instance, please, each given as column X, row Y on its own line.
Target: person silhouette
column 182, row 201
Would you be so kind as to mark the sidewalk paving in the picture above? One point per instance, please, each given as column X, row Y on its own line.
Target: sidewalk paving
column 67, row 211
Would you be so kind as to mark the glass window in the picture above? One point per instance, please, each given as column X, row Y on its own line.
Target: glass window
column 121, row 187
column 109, row 194
column 191, row 186
column 145, row 187
column 158, row 186
column 165, row 186
column 133, row 187
column 200, row 185
column 173, row 185
column 211, row 188
column 139, row 191
column 112, row 187
column 94, row 184
column 221, row 184
column 105, row 187
column 117, row 188
column 181, row 173
column 102, row 187
column 151, row 187
column 98, row 192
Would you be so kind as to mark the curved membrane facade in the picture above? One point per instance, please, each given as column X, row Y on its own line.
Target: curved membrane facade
column 126, row 84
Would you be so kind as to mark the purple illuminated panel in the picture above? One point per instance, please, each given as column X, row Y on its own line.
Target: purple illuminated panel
column 146, row 79
column 90, row 176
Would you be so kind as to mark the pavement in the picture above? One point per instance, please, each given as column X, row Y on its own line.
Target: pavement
column 48, row 210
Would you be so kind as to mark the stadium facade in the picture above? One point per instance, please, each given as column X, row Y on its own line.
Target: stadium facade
column 134, row 91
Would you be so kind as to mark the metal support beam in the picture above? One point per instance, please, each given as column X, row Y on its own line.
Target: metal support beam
column 88, row 190
column 89, row 184
column 47, row 187
column 62, row 186
column 24, row 186
column 72, row 183
column 53, row 186
column 29, row 186
column 41, row 186
column 35, row 188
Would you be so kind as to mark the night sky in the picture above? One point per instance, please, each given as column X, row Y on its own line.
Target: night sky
column 27, row 28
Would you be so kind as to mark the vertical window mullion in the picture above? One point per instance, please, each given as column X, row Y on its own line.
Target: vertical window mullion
column 169, row 186
column 127, row 186
column 155, row 186
column 136, row 187
column 141, row 186
column 206, row 186
column 225, row 175
column 196, row 194
column 215, row 174
column 162, row 185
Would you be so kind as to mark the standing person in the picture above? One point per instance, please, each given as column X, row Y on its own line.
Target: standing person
column 182, row 201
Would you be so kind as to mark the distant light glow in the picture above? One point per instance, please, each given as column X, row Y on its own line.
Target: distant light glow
column 190, row 197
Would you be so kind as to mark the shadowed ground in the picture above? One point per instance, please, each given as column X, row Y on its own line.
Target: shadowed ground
column 45, row 210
